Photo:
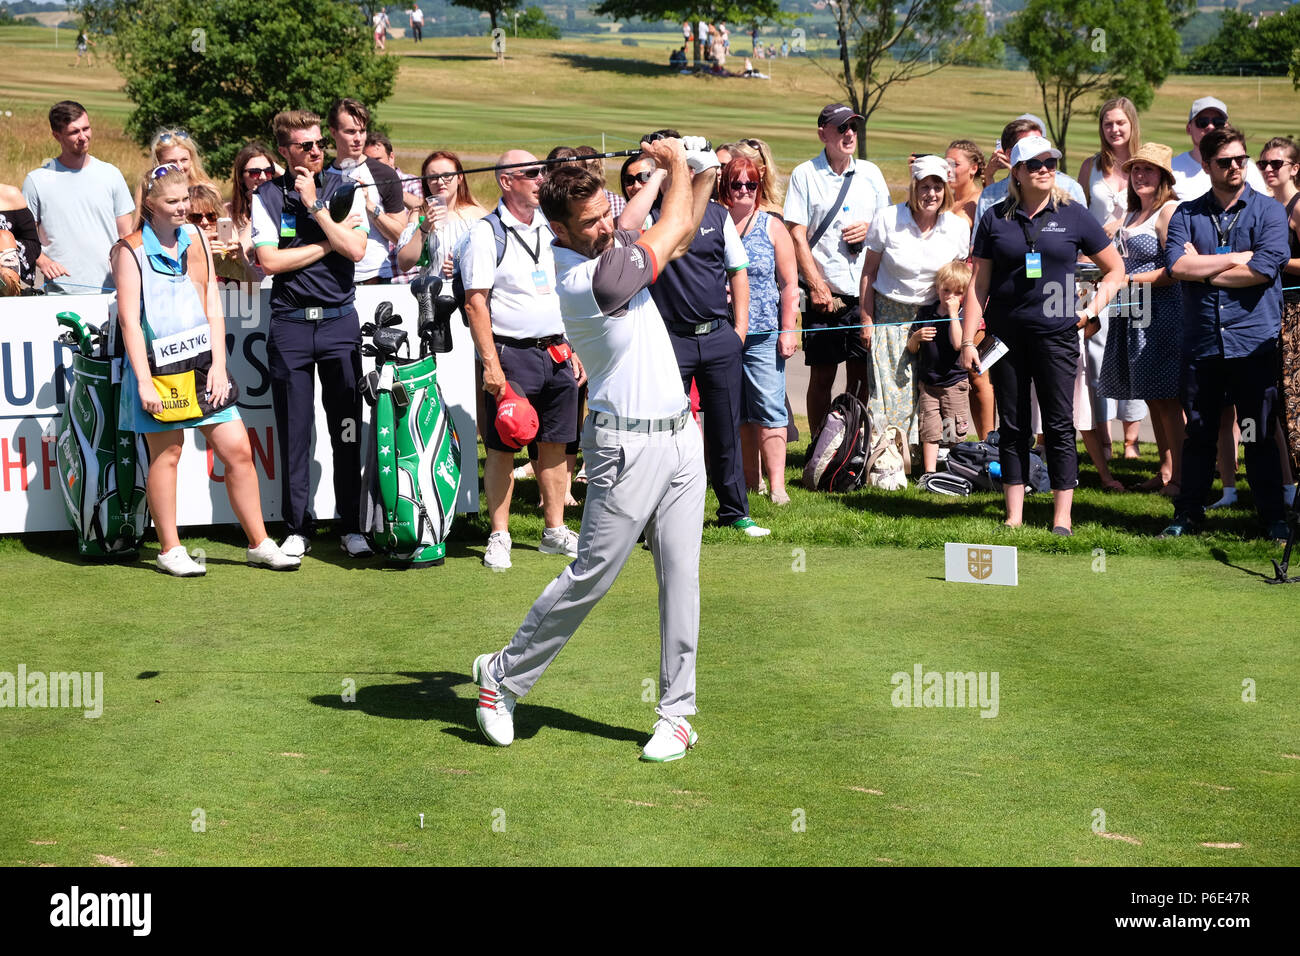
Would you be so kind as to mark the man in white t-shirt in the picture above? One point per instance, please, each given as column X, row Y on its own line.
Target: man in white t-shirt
column 82, row 206
column 829, row 205
column 1190, row 178
column 349, row 121
column 416, row 16
column 514, row 317
column 644, row 454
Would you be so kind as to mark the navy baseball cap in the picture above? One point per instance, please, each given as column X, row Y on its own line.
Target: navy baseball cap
column 836, row 114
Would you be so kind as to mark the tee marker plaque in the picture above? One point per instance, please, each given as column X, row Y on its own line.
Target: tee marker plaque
column 980, row 564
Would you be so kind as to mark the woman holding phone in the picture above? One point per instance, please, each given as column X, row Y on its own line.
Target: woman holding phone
column 1023, row 261
column 174, row 377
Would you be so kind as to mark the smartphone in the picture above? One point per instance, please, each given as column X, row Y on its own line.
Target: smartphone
column 997, row 146
column 225, row 230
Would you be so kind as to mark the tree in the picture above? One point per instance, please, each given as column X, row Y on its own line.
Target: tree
column 534, row 23
column 495, row 9
column 884, row 42
column 1244, row 47
column 221, row 69
column 711, row 11
column 1095, row 49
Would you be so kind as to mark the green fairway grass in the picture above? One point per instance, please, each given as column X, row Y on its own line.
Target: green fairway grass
column 1118, row 691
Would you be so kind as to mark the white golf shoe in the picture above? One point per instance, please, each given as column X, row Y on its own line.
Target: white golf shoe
column 497, row 553
column 295, row 546
column 496, row 705
column 561, row 540
column 673, row 736
column 178, row 563
column 268, row 554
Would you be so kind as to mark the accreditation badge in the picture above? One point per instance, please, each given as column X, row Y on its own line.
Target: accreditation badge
column 1034, row 265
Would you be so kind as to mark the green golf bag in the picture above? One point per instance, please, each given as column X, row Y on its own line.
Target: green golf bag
column 102, row 469
column 410, row 451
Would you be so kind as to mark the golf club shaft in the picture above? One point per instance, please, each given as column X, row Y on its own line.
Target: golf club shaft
column 617, row 154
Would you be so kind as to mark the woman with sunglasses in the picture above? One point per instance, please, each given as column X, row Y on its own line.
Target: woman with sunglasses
column 254, row 164
column 206, row 207
column 166, row 297
column 1280, row 164
column 760, row 154
column 1143, row 351
column 773, row 310
column 1023, row 258
column 450, row 209
column 905, row 247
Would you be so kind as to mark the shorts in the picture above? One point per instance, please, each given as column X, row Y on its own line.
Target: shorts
column 940, row 405
column 763, row 383
column 548, row 385
column 838, row 345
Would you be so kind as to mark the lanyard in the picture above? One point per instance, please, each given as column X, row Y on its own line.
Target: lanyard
column 1031, row 241
column 1225, row 234
column 534, row 253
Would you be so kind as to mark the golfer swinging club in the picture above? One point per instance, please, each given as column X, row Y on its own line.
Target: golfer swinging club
column 644, row 453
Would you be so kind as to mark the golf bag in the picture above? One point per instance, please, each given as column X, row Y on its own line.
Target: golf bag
column 410, row 451
column 102, row 469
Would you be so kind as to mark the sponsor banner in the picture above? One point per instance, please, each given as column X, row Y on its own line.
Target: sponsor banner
column 36, row 372
column 980, row 564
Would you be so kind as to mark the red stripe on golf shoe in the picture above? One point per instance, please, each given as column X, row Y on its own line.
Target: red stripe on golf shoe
column 682, row 735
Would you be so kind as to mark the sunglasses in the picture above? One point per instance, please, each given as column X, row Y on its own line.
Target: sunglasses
column 1272, row 164
column 533, row 173
column 310, row 145
column 844, row 128
column 158, row 172
column 1228, row 162
column 199, row 218
column 740, row 187
column 442, row 177
column 258, row 172
column 170, row 135
column 1034, row 165
column 1216, row 120
column 641, row 178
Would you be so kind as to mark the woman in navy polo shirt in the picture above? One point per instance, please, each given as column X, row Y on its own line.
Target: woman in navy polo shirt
column 1023, row 257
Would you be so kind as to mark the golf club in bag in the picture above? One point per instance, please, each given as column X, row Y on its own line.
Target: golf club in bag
column 410, row 452
column 102, row 469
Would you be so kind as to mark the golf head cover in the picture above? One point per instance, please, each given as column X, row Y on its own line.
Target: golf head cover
column 516, row 420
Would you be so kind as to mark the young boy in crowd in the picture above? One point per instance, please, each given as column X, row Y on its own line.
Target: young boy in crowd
column 944, row 402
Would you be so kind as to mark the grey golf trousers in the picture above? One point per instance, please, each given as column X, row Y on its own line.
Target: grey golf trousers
column 634, row 481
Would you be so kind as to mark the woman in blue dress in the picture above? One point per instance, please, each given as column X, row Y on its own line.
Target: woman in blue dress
column 173, row 378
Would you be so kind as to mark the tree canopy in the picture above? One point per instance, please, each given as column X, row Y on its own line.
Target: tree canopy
column 221, row 69
column 1090, row 50
column 1243, row 47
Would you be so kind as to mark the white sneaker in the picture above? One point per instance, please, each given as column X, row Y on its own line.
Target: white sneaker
column 559, row 540
column 496, row 705
column 1227, row 501
column 673, row 736
column 750, row 527
column 355, row 546
column 269, row 555
column 522, row 472
column 295, row 546
column 497, row 554
column 178, row 563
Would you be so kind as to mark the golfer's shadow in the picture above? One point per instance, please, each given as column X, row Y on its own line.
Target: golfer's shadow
column 431, row 695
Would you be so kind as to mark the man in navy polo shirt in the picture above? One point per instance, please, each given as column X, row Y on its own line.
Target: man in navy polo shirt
column 1228, row 247
column 691, row 295
column 314, row 327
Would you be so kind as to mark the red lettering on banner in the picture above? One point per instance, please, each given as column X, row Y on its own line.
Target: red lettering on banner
column 212, row 467
column 7, row 464
column 264, row 452
column 49, row 460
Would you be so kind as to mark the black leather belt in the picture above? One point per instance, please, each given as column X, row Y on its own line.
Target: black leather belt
column 313, row 313
column 702, row 328
column 542, row 343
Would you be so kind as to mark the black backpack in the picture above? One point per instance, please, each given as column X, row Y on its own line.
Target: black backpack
column 838, row 459
column 971, row 460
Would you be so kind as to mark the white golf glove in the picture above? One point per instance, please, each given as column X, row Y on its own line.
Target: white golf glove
column 698, row 155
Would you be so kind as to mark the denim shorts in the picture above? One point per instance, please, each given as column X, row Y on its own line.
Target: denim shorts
column 763, row 386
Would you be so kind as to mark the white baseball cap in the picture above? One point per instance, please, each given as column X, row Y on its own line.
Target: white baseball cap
column 930, row 166
column 1206, row 103
column 1027, row 147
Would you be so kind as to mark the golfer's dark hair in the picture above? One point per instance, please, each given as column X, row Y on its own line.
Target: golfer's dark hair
column 566, row 185
column 354, row 108
column 1216, row 139
column 64, row 113
column 1014, row 130
column 665, row 134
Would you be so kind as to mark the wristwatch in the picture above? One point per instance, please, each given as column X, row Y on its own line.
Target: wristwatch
column 318, row 205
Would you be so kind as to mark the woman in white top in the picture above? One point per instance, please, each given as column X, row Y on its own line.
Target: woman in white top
column 1104, row 177
column 449, row 212
column 905, row 247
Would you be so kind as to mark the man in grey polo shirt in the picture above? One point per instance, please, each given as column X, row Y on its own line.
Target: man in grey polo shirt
column 644, row 453
column 829, row 205
column 82, row 206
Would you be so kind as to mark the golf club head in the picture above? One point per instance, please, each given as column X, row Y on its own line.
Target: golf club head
column 340, row 204
column 368, row 328
column 383, row 311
